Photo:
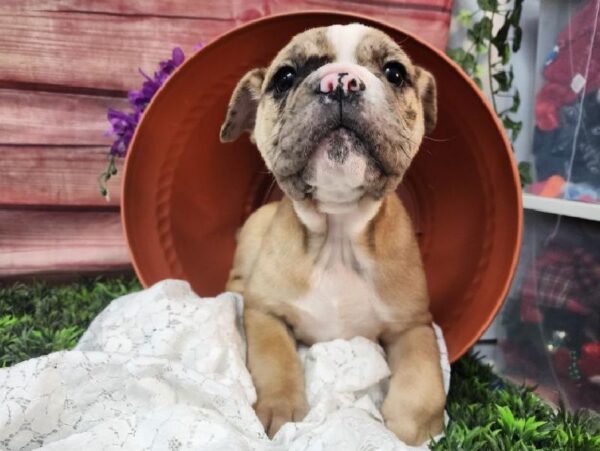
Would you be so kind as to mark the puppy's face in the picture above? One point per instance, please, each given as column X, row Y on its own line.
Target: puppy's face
column 339, row 114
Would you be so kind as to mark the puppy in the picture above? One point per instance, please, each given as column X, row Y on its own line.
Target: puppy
column 338, row 117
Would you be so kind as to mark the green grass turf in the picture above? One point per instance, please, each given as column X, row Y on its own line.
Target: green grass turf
column 486, row 413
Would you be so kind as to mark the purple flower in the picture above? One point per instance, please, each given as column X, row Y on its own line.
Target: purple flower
column 123, row 124
column 122, row 127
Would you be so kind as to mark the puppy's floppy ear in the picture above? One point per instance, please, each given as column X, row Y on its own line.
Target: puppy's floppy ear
column 425, row 85
column 241, row 112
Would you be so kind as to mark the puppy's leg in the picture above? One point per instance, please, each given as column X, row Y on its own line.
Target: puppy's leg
column 414, row 406
column 249, row 241
column 275, row 369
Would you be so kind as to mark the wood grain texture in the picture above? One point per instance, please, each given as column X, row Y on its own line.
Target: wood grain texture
column 211, row 9
column 115, row 38
column 428, row 19
column 63, row 63
column 37, row 117
column 50, row 241
column 217, row 9
column 55, row 176
column 100, row 51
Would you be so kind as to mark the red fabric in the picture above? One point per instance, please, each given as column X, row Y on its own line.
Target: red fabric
column 589, row 361
column 562, row 361
column 575, row 43
column 561, row 278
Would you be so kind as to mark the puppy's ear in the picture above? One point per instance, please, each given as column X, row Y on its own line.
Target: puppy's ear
column 425, row 85
column 241, row 112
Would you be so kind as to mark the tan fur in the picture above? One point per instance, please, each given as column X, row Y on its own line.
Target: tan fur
column 281, row 245
column 271, row 269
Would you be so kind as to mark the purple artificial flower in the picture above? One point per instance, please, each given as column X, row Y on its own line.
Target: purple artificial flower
column 123, row 124
column 122, row 127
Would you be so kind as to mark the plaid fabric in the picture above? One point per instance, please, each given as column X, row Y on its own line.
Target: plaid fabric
column 561, row 278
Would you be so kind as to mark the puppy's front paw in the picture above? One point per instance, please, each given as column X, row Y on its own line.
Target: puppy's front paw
column 413, row 425
column 411, row 432
column 275, row 412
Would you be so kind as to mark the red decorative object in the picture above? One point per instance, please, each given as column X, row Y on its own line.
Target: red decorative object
column 589, row 360
column 562, row 361
column 573, row 67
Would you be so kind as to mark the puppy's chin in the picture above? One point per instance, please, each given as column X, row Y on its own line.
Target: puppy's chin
column 336, row 169
column 339, row 170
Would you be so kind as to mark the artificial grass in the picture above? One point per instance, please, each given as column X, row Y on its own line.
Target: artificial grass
column 489, row 414
column 38, row 318
column 486, row 413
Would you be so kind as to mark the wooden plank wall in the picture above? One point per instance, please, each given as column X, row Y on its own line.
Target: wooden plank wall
column 62, row 64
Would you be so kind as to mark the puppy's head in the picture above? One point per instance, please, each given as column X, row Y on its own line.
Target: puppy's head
column 339, row 114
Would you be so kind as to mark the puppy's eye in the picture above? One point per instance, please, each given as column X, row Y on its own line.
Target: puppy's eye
column 284, row 79
column 395, row 73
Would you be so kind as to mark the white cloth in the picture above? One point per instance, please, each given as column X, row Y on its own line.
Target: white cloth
column 164, row 369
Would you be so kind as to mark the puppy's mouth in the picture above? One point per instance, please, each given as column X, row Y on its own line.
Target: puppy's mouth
column 341, row 141
column 360, row 145
column 340, row 169
column 338, row 143
column 356, row 133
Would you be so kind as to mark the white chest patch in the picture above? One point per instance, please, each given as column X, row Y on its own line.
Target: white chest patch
column 342, row 301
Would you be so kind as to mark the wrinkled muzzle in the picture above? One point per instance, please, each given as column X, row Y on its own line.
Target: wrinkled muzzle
column 342, row 111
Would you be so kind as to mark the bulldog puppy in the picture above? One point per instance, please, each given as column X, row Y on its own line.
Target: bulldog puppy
column 338, row 117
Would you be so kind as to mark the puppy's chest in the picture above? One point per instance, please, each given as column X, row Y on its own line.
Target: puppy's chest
column 342, row 301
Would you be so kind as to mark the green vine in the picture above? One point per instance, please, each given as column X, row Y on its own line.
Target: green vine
column 105, row 176
column 482, row 40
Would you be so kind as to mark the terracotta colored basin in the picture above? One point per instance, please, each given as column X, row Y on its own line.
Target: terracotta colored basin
column 185, row 194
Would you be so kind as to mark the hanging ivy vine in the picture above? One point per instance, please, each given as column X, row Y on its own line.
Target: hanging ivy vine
column 482, row 42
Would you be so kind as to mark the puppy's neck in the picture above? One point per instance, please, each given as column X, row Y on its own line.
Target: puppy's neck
column 353, row 217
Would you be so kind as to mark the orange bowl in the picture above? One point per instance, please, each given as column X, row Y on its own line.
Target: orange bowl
column 185, row 194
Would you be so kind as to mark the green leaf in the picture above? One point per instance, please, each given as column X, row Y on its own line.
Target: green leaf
column 481, row 48
column 515, row 15
column 469, row 63
column 465, row 18
column 516, row 102
column 503, row 80
column 511, row 126
column 506, row 54
column 466, row 61
column 485, row 27
column 517, row 37
column 501, row 36
column 488, row 5
column 506, row 416
column 473, row 35
column 525, row 173
column 481, row 31
column 457, row 54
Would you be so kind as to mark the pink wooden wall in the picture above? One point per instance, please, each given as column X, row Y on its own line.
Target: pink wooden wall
column 62, row 64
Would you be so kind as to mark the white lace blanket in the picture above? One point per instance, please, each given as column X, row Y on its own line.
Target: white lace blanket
column 164, row 369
